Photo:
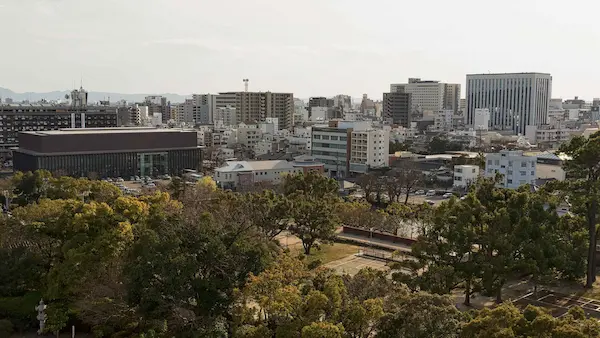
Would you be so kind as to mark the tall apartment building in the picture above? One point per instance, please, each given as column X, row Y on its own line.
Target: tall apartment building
column 430, row 95
column 515, row 168
column 226, row 115
column 200, row 109
column 397, row 107
column 515, row 100
column 369, row 149
column 158, row 105
column 255, row 107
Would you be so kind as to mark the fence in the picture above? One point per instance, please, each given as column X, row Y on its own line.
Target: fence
column 383, row 255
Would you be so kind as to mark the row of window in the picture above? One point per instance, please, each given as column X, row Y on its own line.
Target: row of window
column 332, row 138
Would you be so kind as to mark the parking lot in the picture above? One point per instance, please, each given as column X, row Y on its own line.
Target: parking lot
column 558, row 304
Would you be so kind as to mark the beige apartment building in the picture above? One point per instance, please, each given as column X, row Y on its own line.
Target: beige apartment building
column 256, row 107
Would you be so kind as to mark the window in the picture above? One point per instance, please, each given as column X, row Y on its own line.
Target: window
column 532, row 172
column 533, row 164
column 510, row 172
column 497, row 162
column 489, row 162
column 509, row 181
column 510, row 163
column 522, row 173
column 325, row 137
column 317, row 137
column 334, row 138
column 343, row 138
column 473, row 170
column 523, row 164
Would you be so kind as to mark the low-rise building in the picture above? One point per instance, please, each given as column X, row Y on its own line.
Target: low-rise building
column 249, row 134
column 516, row 168
column 465, row 175
column 308, row 164
column 239, row 174
column 109, row 152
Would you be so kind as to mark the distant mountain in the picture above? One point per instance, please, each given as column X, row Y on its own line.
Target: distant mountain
column 92, row 97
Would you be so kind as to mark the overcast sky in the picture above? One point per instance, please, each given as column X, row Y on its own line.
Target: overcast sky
column 308, row 47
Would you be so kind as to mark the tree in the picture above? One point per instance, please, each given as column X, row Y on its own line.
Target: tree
column 361, row 215
column 408, row 177
column 419, row 315
column 371, row 183
column 583, row 189
column 313, row 219
column 439, row 145
column 197, row 261
column 310, row 184
column 322, row 330
column 268, row 212
column 399, row 146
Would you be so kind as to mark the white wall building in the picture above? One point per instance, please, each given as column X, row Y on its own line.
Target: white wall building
column 236, row 174
column 443, row 119
column 516, row 168
column 482, row 119
column 547, row 135
column 430, row 95
column 369, row 149
column 319, row 113
column 465, row 175
column 515, row 100
column 249, row 134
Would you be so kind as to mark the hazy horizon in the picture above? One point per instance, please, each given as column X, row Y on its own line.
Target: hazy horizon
column 309, row 48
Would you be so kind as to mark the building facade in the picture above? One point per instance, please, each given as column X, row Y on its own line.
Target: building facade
column 430, row 95
column 465, row 175
column 109, row 152
column 255, row 107
column 330, row 147
column 514, row 100
column 516, row 168
column 397, row 107
column 158, row 105
column 240, row 174
column 16, row 118
column 369, row 149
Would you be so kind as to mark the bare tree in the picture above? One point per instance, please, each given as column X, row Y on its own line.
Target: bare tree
column 409, row 177
column 371, row 184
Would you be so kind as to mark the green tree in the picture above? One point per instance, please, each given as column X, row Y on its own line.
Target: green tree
column 583, row 189
column 419, row 315
column 439, row 145
column 29, row 187
column 361, row 215
column 310, row 184
column 313, row 219
column 322, row 330
column 196, row 266
column 268, row 212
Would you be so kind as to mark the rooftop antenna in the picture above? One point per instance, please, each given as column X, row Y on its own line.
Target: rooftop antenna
column 246, row 84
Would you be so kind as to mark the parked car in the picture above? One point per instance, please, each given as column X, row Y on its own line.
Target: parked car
column 150, row 185
column 119, row 179
column 430, row 202
column 448, row 195
column 420, row 192
column 430, row 193
column 136, row 178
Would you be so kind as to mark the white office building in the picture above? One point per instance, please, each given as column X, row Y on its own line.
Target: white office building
column 430, row 96
column 516, row 169
column 443, row 120
column 482, row 119
column 465, row 175
column 514, row 100
column 369, row 149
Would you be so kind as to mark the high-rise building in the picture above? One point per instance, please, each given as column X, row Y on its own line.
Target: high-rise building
column 158, row 105
column 255, row 107
column 430, row 96
column 397, row 107
column 515, row 100
column 200, row 109
column 369, row 149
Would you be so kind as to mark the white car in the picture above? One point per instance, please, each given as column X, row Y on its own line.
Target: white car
column 420, row 192
column 430, row 193
column 448, row 195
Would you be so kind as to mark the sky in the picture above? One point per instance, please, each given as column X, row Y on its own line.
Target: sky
column 307, row 47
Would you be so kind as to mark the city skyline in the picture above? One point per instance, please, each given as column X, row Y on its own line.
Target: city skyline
column 316, row 48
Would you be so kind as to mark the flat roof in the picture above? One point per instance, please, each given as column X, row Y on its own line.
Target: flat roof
column 116, row 130
column 522, row 73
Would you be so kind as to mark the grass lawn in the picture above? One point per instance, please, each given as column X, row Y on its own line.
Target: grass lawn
column 327, row 252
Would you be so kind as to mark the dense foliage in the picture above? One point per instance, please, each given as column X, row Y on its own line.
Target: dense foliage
column 195, row 261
